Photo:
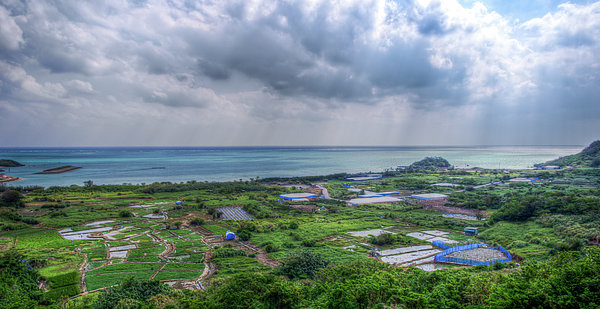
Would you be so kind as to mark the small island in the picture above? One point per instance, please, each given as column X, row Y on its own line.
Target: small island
column 431, row 163
column 9, row 163
column 59, row 170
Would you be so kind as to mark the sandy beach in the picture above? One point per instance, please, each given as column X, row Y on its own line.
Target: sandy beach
column 5, row 179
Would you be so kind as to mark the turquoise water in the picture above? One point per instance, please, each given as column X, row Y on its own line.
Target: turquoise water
column 148, row 165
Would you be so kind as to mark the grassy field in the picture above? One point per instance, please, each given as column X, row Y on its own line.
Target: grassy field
column 101, row 281
column 228, row 267
column 184, row 266
column 125, row 267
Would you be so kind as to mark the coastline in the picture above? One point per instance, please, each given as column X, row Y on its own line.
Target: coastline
column 7, row 179
column 117, row 166
column 59, row 170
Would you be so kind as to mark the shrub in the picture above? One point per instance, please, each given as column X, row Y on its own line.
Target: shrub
column 302, row 265
column 11, row 196
column 131, row 293
column 269, row 247
column 244, row 235
column 125, row 213
column 383, row 239
column 58, row 214
column 197, row 221
column 309, row 243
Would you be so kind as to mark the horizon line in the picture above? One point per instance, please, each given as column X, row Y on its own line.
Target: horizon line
column 296, row 146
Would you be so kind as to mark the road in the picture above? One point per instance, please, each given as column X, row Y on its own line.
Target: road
column 325, row 192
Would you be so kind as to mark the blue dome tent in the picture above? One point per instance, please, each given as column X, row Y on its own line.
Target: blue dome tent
column 229, row 235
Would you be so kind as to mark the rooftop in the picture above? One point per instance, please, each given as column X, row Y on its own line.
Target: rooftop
column 295, row 196
column 373, row 200
column 429, row 196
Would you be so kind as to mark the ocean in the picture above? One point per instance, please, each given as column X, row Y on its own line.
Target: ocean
column 118, row 165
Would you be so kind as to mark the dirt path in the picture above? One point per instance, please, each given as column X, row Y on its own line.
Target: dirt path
column 83, row 272
column 169, row 248
column 261, row 255
column 156, row 272
column 209, row 272
column 92, row 291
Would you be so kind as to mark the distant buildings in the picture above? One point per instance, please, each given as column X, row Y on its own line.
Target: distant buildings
column 523, row 179
column 366, row 177
column 298, row 196
column 430, row 199
column 444, row 184
column 373, row 200
column 548, row 167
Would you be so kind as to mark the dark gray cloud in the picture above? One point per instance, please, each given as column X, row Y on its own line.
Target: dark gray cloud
column 374, row 63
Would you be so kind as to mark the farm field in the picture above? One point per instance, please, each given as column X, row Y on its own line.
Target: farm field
column 112, row 233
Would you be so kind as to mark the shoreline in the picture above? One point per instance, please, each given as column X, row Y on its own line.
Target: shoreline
column 7, row 179
column 58, row 170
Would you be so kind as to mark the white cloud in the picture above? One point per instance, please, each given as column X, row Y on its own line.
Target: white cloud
column 11, row 35
column 282, row 66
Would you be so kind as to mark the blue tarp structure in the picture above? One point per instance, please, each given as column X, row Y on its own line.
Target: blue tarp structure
column 229, row 235
column 389, row 193
column 297, row 196
column 349, row 187
column 441, row 257
column 440, row 244
column 178, row 202
column 429, row 196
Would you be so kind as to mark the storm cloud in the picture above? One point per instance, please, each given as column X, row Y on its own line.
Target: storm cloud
column 296, row 72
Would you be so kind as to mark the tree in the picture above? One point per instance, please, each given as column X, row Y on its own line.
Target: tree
column 302, row 265
column 383, row 239
column 11, row 196
column 18, row 282
column 88, row 183
column 125, row 213
column 197, row 221
column 244, row 235
column 178, row 224
column 131, row 293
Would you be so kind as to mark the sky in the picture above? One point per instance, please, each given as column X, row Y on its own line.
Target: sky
column 307, row 72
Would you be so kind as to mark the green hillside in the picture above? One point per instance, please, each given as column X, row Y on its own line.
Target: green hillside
column 588, row 157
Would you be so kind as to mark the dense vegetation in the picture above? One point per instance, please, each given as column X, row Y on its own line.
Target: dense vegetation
column 569, row 280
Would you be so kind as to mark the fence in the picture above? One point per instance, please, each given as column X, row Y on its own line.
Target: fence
column 441, row 257
column 440, row 244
